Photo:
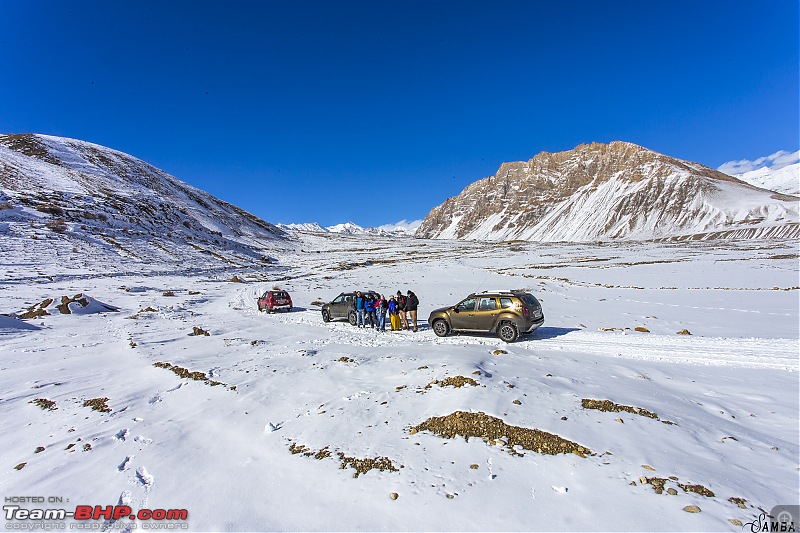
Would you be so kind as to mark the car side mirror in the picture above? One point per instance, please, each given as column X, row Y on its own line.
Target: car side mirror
column 455, row 309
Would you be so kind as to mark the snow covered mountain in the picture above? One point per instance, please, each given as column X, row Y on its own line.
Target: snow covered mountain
column 610, row 191
column 75, row 199
column 779, row 172
column 400, row 229
column 308, row 227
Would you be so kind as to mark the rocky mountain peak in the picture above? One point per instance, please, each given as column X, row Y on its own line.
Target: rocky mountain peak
column 602, row 191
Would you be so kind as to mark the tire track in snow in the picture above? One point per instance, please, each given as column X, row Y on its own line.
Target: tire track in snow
column 779, row 354
column 776, row 354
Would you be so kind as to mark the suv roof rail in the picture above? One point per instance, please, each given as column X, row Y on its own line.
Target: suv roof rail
column 497, row 291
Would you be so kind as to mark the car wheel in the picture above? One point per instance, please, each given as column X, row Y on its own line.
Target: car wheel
column 508, row 331
column 352, row 318
column 441, row 328
column 326, row 316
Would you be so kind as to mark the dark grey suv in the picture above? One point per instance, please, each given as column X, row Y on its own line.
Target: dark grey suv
column 507, row 313
column 344, row 306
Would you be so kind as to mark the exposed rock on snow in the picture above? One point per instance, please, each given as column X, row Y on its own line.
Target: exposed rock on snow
column 495, row 431
column 610, row 191
column 80, row 304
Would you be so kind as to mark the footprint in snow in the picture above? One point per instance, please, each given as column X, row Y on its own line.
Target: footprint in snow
column 142, row 440
column 144, row 477
column 273, row 427
column 122, row 435
column 124, row 499
column 126, row 464
column 160, row 396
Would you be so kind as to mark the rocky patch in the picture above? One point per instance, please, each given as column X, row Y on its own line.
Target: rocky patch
column 453, row 381
column 44, row 404
column 494, row 430
column 361, row 466
column 98, row 404
column 611, row 407
column 196, row 376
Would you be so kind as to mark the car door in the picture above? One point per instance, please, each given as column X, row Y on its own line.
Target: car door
column 463, row 314
column 486, row 313
column 339, row 306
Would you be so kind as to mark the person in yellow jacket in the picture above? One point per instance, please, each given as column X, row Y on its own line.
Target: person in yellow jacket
column 394, row 314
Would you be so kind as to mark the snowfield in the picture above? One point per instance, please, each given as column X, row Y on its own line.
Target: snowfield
column 282, row 422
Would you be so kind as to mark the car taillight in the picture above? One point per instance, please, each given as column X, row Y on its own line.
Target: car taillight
column 525, row 312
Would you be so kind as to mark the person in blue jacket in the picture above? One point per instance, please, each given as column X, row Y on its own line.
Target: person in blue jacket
column 359, row 309
column 369, row 310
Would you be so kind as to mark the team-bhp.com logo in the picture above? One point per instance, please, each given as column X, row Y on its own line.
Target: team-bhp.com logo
column 87, row 517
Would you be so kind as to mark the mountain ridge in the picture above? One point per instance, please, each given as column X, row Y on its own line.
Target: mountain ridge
column 110, row 203
column 605, row 192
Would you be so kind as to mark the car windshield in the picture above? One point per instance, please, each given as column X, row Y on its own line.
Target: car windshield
column 467, row 305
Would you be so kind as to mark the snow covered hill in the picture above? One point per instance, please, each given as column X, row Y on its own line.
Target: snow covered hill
column 607, row 192
column 70, row 199
column 778, row 172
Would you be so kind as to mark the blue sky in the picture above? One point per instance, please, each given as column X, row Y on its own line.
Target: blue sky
column 375, row 112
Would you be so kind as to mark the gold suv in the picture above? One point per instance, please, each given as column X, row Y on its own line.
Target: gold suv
column 507, row 313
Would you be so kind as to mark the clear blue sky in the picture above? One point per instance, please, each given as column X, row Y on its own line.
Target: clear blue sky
column 377, row 111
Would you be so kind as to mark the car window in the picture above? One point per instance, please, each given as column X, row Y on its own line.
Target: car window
column 487, row 304
column 506, row 303
column 530, row 299
column 339, row 299
column 467, row 305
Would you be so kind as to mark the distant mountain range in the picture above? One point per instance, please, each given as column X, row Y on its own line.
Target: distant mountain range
column 400, row 229
column 79, row 199
column 779, row 172
column 599, row 192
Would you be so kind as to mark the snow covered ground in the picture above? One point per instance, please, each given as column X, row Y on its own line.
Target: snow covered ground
column 288, row 420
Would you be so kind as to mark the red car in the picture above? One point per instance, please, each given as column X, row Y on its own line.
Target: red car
column 275, row 300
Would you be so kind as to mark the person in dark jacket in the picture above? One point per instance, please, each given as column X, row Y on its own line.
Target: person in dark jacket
column 401, row 308
column 369, row 310
column 412, row 302
column 381, row 306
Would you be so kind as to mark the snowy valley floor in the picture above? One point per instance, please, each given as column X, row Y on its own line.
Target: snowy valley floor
column 290, row 423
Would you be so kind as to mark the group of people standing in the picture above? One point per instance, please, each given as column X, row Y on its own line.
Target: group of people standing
column 372, row 308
